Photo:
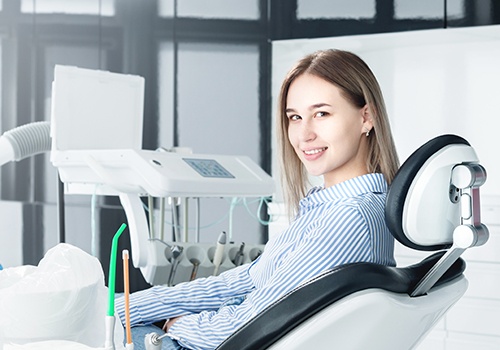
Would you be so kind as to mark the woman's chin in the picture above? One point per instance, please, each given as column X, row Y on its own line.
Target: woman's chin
column 314, row 172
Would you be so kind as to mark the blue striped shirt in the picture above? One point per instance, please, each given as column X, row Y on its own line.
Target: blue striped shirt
column 337, row 225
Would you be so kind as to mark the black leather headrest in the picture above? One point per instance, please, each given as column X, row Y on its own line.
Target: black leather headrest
column 401, row 184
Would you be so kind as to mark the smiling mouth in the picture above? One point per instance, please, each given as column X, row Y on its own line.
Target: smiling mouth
column 315, row 151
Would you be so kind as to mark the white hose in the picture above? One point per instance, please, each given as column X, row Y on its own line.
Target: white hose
column 27, row 140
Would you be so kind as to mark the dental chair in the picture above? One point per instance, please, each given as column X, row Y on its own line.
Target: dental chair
column 432, row 206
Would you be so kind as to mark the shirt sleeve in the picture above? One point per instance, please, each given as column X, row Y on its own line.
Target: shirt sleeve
column 337, row 238
column 160, row 302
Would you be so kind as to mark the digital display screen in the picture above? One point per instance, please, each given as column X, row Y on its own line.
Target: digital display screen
column 208, row 168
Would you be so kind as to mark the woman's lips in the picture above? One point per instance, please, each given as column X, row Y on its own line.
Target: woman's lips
column 314, row 153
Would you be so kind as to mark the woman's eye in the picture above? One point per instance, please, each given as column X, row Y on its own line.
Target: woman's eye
column 320, row 114
column 294, row 117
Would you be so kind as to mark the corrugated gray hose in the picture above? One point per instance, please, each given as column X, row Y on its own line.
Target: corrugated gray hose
column 29, row 139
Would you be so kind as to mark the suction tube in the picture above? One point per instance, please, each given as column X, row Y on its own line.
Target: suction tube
column 110, row 316
column 25, row 141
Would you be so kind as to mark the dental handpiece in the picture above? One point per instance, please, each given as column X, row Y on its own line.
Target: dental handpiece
column 219, row 252
column 259, row 253
column 176, row 252
column 196, row 264
column 152, row 341
column 238, row 258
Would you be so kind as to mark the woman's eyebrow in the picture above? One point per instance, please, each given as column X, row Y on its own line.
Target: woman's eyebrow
column 319, row 105
column 314, row 106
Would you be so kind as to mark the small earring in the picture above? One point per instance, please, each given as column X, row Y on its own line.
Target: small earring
column 368, row 132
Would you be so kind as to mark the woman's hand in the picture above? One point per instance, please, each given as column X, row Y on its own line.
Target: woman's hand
column 169, row 323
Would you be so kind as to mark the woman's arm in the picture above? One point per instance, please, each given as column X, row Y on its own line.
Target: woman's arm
column 160, row 302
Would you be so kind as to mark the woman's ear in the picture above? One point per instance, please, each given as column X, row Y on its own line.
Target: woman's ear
column 367, row 118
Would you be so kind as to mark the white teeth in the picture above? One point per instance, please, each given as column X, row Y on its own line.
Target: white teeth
column 314, row 151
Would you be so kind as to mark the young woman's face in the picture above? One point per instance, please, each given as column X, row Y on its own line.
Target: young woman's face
column 327, row 132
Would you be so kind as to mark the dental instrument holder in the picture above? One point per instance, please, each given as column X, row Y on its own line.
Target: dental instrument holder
column 464, row 189
column 199, row 256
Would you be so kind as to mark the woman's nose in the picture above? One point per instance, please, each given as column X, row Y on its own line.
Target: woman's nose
column 307, row 132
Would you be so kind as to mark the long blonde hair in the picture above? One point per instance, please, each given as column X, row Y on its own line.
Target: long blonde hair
column 359, row 86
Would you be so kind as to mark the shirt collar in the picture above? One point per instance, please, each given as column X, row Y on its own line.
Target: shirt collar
column 350, row 188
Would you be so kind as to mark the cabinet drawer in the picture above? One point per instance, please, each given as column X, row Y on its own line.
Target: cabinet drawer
column 484, row 280
column 477, row 316
column 461, row 341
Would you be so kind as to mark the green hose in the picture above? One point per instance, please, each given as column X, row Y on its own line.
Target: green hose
column 112, row 270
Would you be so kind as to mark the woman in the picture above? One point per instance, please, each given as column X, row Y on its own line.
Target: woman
column 331, row 122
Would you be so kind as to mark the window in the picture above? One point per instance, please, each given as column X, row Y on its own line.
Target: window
column 316, row 9
column 225, row 9
column 81, row 7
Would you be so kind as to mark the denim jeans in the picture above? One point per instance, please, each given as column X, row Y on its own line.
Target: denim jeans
column 140, row 332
